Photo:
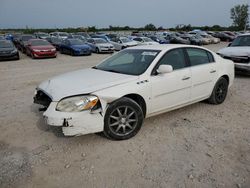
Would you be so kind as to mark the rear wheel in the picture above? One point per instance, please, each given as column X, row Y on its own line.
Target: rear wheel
column 220, row 92
column 123, row 119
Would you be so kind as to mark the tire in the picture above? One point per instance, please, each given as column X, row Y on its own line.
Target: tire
column 32, row 55
column 72, row 53
column 219, row 93
column 97, row 50
column 18, row 57
column 123, row 119
column 61, row 50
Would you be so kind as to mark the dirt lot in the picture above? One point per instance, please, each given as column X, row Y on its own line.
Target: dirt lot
column 199, row 146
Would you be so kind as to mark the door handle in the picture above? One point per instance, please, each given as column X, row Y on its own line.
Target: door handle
column 212, row 71
column 186, row 78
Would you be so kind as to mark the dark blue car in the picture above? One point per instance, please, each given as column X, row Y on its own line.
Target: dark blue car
column 74, row 47
column 159, row 39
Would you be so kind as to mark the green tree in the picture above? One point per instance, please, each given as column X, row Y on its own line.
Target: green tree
column 150, row 27
column 239, row 15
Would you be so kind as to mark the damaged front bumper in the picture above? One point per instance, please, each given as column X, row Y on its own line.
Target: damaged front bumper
column 74, row 123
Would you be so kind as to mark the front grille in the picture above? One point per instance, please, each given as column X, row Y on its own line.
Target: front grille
column 240, row 59
column 42, row 99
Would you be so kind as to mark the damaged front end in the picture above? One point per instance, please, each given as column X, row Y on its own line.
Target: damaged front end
column 76, row 117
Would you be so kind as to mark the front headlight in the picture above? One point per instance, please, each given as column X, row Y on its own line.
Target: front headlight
column 36, row 50
column 77, row 104
column 14, row 51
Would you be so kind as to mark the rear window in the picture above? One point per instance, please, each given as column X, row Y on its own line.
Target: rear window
column 199, row 56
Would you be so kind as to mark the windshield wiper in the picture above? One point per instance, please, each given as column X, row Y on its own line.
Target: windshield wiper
column 111, row 70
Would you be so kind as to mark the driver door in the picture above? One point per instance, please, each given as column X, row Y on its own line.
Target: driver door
column 171, row 89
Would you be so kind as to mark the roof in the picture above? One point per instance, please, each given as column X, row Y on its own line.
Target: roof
column 164, row 47
column 245, row 34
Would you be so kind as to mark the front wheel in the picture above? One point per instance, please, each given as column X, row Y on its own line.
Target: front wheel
column 219, row 92
column 123, row 119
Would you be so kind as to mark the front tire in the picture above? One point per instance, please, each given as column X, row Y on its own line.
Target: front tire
column 219, row 92
column 123, row 119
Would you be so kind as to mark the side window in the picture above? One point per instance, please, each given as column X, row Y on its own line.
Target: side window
column 176, row 58
column 198, row 56
column 211, row 57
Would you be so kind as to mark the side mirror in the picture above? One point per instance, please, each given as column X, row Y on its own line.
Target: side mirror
column 163, row 69
column 229, row 44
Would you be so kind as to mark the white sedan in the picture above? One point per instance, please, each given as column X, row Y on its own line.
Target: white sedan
column 115, row 96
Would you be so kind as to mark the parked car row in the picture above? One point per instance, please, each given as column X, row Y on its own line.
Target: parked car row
column 44, row 45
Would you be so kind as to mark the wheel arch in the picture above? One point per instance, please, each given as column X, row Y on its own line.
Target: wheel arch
column 226, row 77
column 139, row 100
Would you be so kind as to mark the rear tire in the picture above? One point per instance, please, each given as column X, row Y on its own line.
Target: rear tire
column 123, row 119
column 219, row 93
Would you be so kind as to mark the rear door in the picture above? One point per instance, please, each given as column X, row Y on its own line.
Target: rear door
column 204, row 72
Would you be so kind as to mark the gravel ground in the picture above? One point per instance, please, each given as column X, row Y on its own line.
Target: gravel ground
column 200, row 145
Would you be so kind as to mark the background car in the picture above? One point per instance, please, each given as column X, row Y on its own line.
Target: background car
column 122, row 43
column 40, row 48
column 144, row 41
column 224, row 36
column 99, row 45
column 23, row 41
column 8, row 50
column 192, row 38
column 239, row 52
column 55, row 41
column 74, row 47
column 2, row 37
column 41, row 35
column 84, row 34
column 61, row 35
column 175, row 38
column 159, row 39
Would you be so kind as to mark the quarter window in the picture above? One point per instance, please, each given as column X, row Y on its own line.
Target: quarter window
column 199, row 56
column 176, row 58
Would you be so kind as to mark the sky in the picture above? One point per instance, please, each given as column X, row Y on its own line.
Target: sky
column 102, row 13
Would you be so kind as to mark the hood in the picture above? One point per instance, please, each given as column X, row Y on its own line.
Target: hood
column 83, row 81
column 82, row 46
column 6, row 49
column 105, row 45
column 48, row 47
column 131, row 43
column 235, row 51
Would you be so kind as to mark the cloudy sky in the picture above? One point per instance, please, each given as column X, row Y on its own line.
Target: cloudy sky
column 99, row 13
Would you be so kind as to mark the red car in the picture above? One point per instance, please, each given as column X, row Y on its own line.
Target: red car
column 39, row 48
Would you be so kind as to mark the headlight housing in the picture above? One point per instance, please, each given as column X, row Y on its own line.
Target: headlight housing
column 14, row 51
column 35, row 50
column 77, row 104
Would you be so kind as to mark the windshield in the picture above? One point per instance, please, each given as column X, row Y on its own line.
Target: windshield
column 132, row 62
column 63, row 34
column 39, row 43
column 26, row 38
column 147, row 40
column 43, row 35
column 6, row 44
column 241, row 41
column 100, row 41
column 76, row 42
column 124, row 40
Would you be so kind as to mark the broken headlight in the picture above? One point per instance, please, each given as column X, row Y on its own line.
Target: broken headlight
column 77, row 104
